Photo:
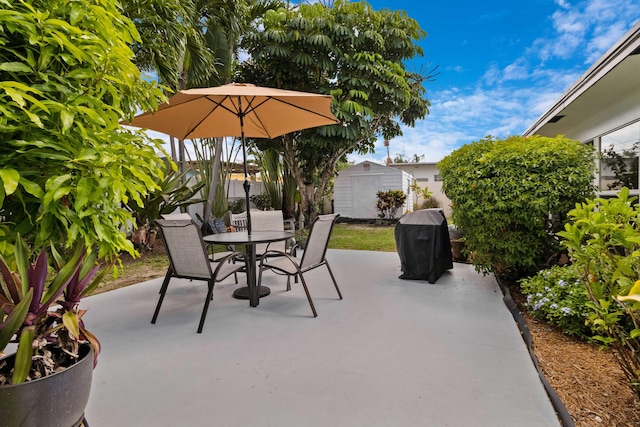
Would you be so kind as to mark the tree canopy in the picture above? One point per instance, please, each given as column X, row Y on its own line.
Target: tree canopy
column 352, row 52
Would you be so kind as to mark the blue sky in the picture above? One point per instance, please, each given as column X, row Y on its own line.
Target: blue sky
column 502, row 64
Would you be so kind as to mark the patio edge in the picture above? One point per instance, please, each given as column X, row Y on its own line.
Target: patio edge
column 558, row 405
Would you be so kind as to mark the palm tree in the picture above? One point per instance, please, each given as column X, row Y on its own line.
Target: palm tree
column 193, row 43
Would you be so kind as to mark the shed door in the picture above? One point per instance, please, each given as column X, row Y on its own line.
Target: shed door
column 363, row 190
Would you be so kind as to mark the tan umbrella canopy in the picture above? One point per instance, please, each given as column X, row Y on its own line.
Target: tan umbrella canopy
column 240, row 110
column 230, row 110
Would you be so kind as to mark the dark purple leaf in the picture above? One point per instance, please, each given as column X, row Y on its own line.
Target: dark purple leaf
column 37, row 276
column 12, row 286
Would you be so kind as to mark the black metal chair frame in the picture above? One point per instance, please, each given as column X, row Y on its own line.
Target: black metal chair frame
column 285, row 264
column 179, row 263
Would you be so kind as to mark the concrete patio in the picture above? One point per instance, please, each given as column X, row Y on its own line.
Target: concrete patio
column 392, row 353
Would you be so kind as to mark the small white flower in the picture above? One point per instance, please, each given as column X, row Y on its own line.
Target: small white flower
column 554, row 306
column 566, row 311
column 562, row 283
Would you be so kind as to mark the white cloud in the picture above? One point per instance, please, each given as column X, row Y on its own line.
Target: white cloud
column 563, row 4
column 518, row 70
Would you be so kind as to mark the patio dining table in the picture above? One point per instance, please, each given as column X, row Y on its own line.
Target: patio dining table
column 250, row 241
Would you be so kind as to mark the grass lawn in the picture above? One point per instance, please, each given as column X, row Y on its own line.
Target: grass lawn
column 363, row 237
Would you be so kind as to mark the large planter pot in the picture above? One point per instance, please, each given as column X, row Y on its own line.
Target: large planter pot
column 56, row 400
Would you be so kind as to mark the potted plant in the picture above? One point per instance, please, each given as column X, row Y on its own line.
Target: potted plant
column 40, row 314
column 174, row 191
column 456, row 236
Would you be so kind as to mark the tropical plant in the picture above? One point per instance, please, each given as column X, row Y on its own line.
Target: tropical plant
column 173, row 192
column 39, row 306
column 356, row 54
column 511, row 196
column 66, row 165
column 170, row 36
column 388, row 203
column 603, row 240
column 271, row 175
column 557, row 296
column 428, row 201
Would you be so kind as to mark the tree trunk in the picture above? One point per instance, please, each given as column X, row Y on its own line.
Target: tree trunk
column 181, row 159
column 172, row 144
column 311, row 196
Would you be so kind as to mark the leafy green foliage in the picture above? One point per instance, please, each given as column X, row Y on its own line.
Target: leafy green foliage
column 511, row 196
column 604, row 244
column 623, row 165
column 558, row 296
column 428, row 201
column 262, row 201
column 388, row 203
column 352, row 52
column 173, row 192
column 66, row 165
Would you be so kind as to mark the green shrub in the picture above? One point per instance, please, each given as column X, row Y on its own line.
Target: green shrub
column 237, row 206
column 66, row 165
column 558, row 296
column 389, row 202
column 262, row 201
column 512, row 195
column 604, row 244
column 430, row 203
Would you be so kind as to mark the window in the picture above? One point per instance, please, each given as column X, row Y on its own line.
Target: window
column 437, row 178
column 619, row 158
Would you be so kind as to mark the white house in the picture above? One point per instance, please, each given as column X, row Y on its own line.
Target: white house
column 355, row 189
column 427, row 175
column 602, row 108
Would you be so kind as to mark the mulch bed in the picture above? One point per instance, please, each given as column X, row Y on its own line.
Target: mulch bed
column 588, row 380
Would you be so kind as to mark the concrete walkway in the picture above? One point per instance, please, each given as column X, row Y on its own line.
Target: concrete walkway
column 392, row 353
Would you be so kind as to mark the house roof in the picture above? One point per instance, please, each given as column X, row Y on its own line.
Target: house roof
column 377, row 166
column 615, row 75
column 413, row 164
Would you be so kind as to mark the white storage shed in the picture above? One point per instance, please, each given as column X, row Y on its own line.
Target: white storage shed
column 355, row 189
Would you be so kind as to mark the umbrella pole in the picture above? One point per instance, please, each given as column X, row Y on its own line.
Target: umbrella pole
column 246, row 184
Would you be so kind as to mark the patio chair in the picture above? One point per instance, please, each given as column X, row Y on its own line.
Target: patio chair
column 176, row 216
column 238, row 221
column 188, row 259
column 267, row 221
column 313, row 257
column 214, row 256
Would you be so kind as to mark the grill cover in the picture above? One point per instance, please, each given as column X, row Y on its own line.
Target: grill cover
column 422, row 241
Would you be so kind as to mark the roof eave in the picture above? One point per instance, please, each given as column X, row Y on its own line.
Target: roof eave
column 620, row 51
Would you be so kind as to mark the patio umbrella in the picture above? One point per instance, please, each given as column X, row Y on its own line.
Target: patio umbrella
column 238, row 110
